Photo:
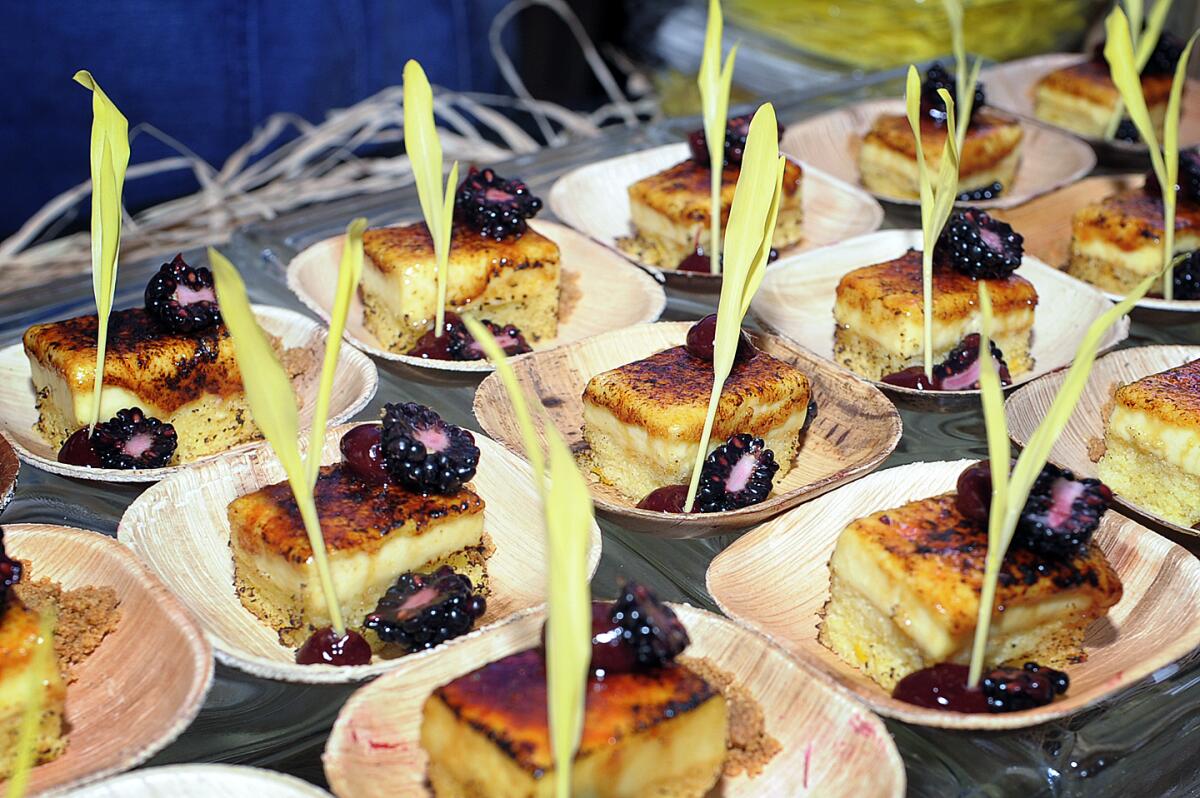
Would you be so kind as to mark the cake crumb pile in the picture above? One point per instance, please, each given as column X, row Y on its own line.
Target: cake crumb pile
column 750, row 747
column 86, row 616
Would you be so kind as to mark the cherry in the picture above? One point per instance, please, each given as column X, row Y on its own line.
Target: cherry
column 611, row 653
column 669, row 499
column 974, row 499
column 77, row 450
column 362, row 452
column 701, row 336
column 325, row 647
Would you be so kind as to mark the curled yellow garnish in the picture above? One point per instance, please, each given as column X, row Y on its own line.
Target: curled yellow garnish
column 714, row 80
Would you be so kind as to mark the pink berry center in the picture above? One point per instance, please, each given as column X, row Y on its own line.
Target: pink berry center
column 497, row 195
column 991, row 238
column 423, row 596
column 186, row 295
column 139, row 444
column 739, row 475
column 433, row 439
column 1063, row 494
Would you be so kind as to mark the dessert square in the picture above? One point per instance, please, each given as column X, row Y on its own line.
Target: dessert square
column 660, row 732
column 189, row 380
column 887, row 160
column 880, row 314
column 20, row 628
column 514, row 281
column 643, row 421
column 1117, row 242
column 904, row 595
column 1083, row 99
column 373, row 533
column 670, row 212
column 1152, row 444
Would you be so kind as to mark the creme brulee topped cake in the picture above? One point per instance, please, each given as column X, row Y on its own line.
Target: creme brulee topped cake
column 500, row 272
column 887, row 160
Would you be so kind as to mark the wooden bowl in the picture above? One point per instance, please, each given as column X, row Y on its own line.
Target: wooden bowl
column 10, row 467
column 1011, row 87
column 201, row 781
column 146, row 681
column 1085, row 431
column 601, row 292
column 353, row 387
column 1046, row 225
column 855, row 429
column 180, row 528
column 796, row 301
column 830, row 746
column 594, row 199
column 831, row 141
column 776, row 578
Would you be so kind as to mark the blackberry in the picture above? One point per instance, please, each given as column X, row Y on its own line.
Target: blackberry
column 1189, row 177
column 495, row 207
column 423, row 610
column 931, row 102
column 979, row 246
column 132, row 440
column 960, row 370
column 1165, row 57
column 182, row 299
column 1186, row 277
column 651, row 627
column 1016, row 689
column 424, row 453
column 736, row 131
column 985, row 193
column 1127, row 131
column 1061, row 513
column 736, row 474
column 10, row 574
column 457, row 343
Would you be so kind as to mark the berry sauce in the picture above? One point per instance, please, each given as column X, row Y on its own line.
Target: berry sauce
column 433, row 346
column 668, row 499
column 324, row 647
column 697, row 261
column 362, row 452
column 942, row 686
column 911, row 377
column 77, row 450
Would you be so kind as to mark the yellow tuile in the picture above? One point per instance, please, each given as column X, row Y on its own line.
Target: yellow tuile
column 568, row 515
column 1002, row 521
column 748, row 234
column 349, row 274
column 109, row 158
column 714, row 80
column 425, row 154
column 31, row 717
column 937, row 199
column 272, row 403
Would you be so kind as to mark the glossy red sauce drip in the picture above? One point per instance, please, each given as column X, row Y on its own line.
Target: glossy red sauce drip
column 325, row 647
column 942, row 686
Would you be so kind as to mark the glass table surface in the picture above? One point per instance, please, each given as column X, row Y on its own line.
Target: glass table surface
column 1139, row 743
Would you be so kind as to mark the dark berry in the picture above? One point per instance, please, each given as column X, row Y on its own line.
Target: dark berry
column 668, row 499
column 611, row 650
column 495, row 207
column 1165, row 56
column 650, row 626
column 424, row 453
column 942, row 686
column 736, row 131
column 931, row 102
column 133, row 440
column 702, row 335
column 912, row 377
column 1017, row 689
column 736, row 474
column 960, row 370
column 362, row 452
column 183, row 299
column 423, row 610
column 1127, row 131
column 77, row 450
column 979, row 246
column 1188, row 186
column 974, row 492
column 1061, row 513
column 699, row 261
column 457, row 343
column 326, row 647
column 1186, row 277
column 986, row 193
column 10, row 574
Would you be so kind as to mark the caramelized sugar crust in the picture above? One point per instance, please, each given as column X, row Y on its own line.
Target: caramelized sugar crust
column 940, row 554
column 681, row 192
column 1131, row 220
column 990, row 138
column 668, row 392
column 394, row 249
column 1091, row 81
column 896, row 286
column 1172, row 395
column 354, row 515
column 506, row 701
column 168, row 369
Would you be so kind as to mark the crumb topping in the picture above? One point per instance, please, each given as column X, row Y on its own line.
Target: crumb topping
column 86, row 615
column 749, row 747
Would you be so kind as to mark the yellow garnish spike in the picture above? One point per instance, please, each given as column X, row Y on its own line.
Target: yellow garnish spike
column 1143, row 43
column 272, row 403
column 1119, row 51
column 349, row 274
column 752, row 216
column 937, row 199
column 109, row 157
column 965, row 77
column 1009, row 500
column 425, row 154
column 31, row 718
column 714, row 80
column 568, row 511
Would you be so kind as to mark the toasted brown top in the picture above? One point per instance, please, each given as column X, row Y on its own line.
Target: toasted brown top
column 668, row 392
column 681, row 192
column 991, row 136
column 1092, row 82
column 354, row 515
column 506, row 701
column 168, row 369
column 1131, row 220
column 940, row 555
column 398, row 248
column 1172, row 395
column 20, row 627
column 896, row 286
